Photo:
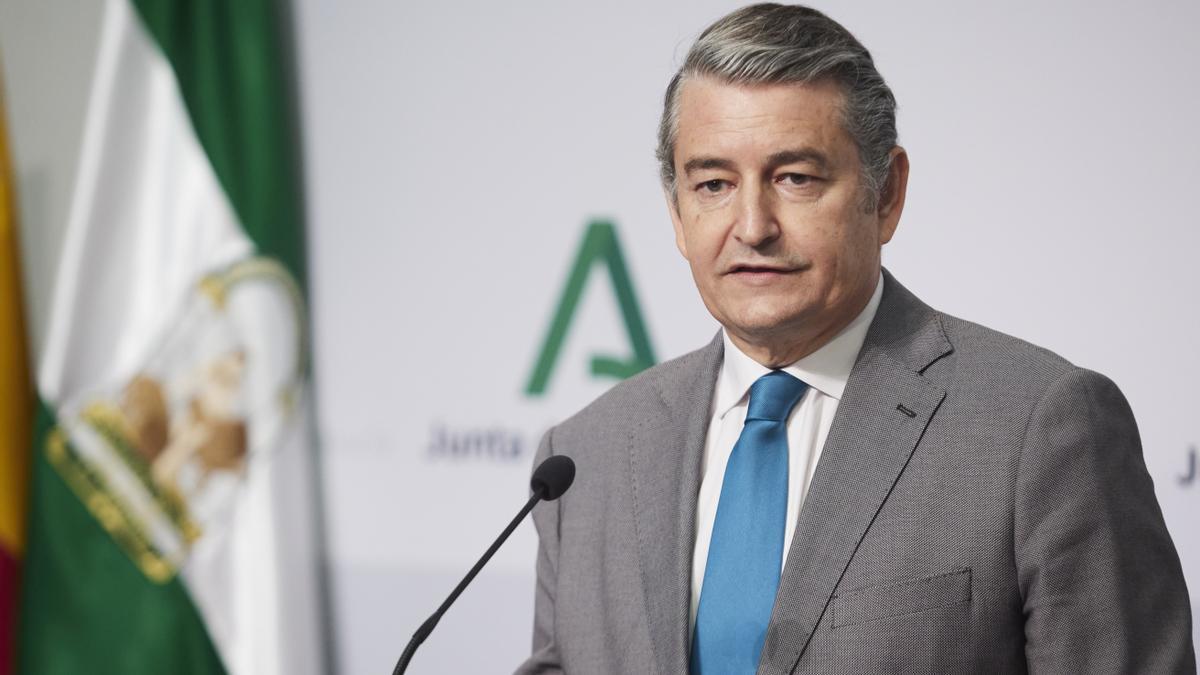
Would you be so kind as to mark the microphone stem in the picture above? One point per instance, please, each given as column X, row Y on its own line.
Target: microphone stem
column 430, row 623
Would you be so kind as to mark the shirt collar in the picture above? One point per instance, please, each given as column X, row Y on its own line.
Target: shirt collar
column 825, row 370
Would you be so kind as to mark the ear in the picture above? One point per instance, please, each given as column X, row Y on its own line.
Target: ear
column 891, row 199
column 676, row 221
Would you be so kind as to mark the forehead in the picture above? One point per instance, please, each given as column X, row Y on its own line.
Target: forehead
column 722, row 119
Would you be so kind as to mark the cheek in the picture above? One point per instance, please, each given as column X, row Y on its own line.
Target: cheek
column 838, row 244
column 824, row 242
column 704, row 240
column 701, row 257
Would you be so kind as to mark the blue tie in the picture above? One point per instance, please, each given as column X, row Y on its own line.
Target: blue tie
column 746, row 549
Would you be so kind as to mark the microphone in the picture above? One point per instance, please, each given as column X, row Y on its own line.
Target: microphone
column 550, row 480
column 552, row 477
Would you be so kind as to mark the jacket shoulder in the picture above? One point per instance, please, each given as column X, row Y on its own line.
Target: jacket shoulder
column 632, row 398
column 985, row 359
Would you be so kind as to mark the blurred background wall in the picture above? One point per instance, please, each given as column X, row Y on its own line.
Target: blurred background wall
column 457, row 155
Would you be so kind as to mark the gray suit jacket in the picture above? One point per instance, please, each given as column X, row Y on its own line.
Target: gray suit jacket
column 980, row 505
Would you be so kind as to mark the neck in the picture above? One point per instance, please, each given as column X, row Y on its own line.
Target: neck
column 784, row 352
column 786, row 345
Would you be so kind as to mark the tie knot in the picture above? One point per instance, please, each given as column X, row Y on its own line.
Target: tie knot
column 773, row 396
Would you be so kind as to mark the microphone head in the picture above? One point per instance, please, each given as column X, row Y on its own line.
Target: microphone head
column 552, row 477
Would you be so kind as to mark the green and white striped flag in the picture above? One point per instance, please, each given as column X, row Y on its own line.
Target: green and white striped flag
column 172, row 517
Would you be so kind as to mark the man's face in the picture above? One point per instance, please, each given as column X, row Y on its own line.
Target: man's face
column 769, row 212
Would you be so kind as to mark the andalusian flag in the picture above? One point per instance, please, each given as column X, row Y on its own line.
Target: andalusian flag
column 16, row 410
column 170, row 511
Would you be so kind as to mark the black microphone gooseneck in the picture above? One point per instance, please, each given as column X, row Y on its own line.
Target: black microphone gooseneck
column 550, row 480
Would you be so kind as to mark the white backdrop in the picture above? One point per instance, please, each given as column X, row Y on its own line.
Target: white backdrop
column 456, row 153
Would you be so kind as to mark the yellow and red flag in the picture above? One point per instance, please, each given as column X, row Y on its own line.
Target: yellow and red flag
column 16, row 410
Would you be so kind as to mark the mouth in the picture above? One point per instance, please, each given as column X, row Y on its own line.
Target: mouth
column 762, row 274
column 763, row 270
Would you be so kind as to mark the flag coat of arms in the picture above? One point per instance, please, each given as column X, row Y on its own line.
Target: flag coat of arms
column 172, row 512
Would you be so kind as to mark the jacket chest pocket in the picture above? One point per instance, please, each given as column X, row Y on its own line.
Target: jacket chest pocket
column 917, row 626
column 907, row 597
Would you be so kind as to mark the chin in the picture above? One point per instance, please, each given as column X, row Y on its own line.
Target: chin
column 766, row 324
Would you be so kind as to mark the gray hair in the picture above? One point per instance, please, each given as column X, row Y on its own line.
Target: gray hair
column 774, row 44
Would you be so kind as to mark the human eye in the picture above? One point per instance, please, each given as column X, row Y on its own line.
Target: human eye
column 793, row 179
column 712, row 186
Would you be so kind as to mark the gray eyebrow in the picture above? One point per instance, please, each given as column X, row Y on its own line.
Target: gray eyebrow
column 778, row 159
column 697, row 163
column 796, row 156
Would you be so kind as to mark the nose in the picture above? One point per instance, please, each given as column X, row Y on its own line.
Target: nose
column 756, row 224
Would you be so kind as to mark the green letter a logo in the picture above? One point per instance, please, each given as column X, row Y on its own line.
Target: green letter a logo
column 599, row 246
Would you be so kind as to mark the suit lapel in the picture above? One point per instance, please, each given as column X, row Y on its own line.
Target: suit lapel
column 885, row 409
column 665, row 449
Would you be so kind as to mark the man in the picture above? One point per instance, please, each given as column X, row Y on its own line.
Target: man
column 844, row 480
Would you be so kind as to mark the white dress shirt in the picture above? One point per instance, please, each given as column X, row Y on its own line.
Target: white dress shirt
column 825, row 371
